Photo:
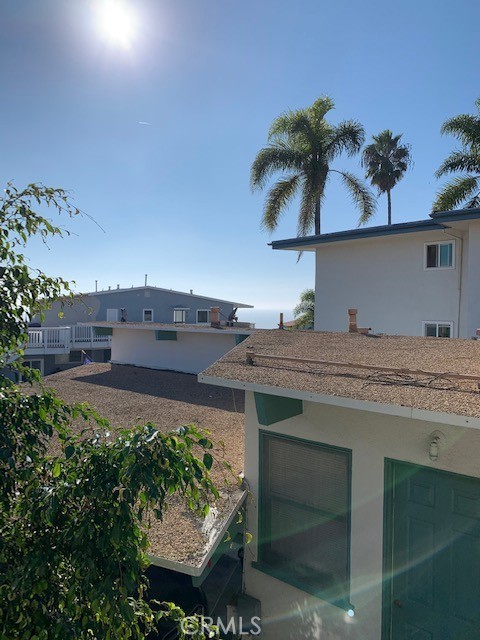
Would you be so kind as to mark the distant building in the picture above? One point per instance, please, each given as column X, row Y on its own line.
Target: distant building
column 61, row 340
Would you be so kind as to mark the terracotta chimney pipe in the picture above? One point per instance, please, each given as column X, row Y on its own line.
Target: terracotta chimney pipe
column 352, row 321
column 280, row 325
column 215, row 317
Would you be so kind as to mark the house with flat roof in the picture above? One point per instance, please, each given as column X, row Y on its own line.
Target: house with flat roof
column 362, row 458
column 62, row 338
column 186, row 348
column 413, row 278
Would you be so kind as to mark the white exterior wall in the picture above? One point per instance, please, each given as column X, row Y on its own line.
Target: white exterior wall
column 385, row 279
column 190, row 353
column 291, row 614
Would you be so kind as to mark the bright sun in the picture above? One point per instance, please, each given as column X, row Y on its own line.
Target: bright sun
column 116, row 22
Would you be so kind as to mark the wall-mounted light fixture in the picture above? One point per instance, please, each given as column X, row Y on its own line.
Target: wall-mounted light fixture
column 437, row 441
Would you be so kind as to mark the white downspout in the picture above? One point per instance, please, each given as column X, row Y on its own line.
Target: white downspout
column 460, row 277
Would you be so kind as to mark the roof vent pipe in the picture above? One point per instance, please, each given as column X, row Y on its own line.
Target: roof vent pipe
column 118, row 286
column 96, row 286
column 191, row 292
column 146, row 277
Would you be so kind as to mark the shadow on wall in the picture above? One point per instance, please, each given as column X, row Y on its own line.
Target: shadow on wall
column 180, row 387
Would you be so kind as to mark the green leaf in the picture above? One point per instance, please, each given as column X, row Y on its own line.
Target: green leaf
column 208, row 460
column 56, row 470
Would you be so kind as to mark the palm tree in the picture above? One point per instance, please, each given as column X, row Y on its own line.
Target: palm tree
column 305, row 309
column 303, row 145
column 463, row 190
column 386, row 161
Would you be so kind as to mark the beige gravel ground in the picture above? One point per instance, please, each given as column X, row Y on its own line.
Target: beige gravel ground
column 439, row 355
column 132, row 395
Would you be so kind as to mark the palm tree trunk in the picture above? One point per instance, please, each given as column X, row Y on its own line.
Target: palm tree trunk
column 317, row 216
column 389, row 198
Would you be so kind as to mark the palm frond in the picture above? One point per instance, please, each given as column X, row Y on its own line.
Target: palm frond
column 277, row 200
column 269, row 160
column 464, row 127
column 361, row 195
column 320, row 108
column 457, row 191
column 347, row 137
column 459, row 161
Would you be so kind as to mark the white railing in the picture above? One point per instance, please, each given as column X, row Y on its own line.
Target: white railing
column 64, row 339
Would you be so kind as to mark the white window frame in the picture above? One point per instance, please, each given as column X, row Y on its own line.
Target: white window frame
column 143, row 315
column 117, row 315
column 28, row 362
column 438, row 243
column 436, row 322
column 208, row 316
column 184, row 309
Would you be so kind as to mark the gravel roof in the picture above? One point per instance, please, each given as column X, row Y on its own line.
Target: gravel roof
column 127, row 396
column 432, row 393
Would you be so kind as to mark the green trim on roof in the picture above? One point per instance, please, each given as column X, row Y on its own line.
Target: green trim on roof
column 165, row 335
column 272, row 409
column 240, row 337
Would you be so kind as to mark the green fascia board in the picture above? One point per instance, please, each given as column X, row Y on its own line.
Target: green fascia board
column 240, row 337
column 103, row 331
column 165, row 335
column 272, row 409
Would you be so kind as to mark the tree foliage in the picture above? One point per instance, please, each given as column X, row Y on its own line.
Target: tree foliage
column 302, row 147
column 462, row 190
column 304, row 312
column 386, row 161
column 75, row 507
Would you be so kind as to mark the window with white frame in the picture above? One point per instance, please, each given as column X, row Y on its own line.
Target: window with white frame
column 438, row 329
column 305, row 515
column 180, row 316
column 203, row 316
column 148, row 315
column 439, row 255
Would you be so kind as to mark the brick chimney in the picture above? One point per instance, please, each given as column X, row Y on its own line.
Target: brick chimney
column 215, row 317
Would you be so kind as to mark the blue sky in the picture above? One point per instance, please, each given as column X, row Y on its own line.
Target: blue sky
column 209, row 76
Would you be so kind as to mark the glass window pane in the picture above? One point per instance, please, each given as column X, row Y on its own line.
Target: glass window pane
column 202, row 316
column 444, row 331
column 147, row 315
column 431, row 330
column 446, row 254
column 432, row 255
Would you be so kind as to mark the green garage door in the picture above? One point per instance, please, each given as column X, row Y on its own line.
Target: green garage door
column 432, row 555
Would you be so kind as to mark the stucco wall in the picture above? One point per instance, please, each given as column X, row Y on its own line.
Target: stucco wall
column 135, row 301
column 385, row 279
column 190, row 353
column 287, row 612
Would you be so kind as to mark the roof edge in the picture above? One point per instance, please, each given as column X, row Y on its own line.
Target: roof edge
column 352, row 234
column 348, row 403
column 197, row 570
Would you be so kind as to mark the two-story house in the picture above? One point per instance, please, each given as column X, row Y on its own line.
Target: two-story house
column 62, row 339
column 413, row 278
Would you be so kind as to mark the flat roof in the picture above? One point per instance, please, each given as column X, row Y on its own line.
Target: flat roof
column 437, row 222
column 127, row 396
column 239, row 305
column 160, row 326
column 433, row 392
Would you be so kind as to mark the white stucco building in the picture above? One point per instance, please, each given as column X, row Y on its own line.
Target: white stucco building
column 365, row 484
column 183, row 348
column 414, row 278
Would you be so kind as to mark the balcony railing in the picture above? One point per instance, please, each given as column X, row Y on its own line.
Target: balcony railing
column 51, row 340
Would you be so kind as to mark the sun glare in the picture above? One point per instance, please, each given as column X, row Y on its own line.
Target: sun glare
column 116, row 22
